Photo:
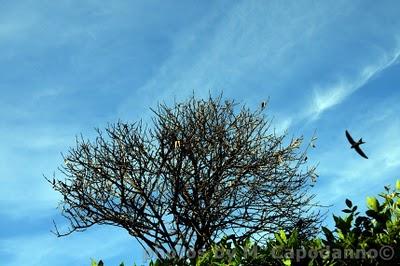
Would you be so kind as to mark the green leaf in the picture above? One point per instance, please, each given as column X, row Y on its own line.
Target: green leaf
column 283, row 235
column 287, row 262
column 100, row 263
column 347, row 211
column 349, row 203
column 371, row 213
column 373, row 204
column 359, row 220
column 398, row 184
column 293, row 239
column 328, row 234
column 340, row 234
column 93, row 263
column 335, row 218
column 342, row 224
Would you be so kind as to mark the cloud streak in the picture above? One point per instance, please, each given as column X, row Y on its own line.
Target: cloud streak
column 247, row 52
column 326, row 97
column 115, row 61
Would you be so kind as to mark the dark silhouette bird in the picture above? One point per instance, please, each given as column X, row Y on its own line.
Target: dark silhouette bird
column 263, row 104
column 356, row 145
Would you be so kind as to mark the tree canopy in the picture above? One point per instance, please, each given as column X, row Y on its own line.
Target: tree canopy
column 203, row 169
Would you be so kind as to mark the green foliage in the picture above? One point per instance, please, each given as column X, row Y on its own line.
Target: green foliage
column 94, row 263
column 101, row 263
column 379, row 228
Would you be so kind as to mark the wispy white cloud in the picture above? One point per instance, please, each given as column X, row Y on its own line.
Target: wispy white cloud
column 325, row 97
column 250, row 50
column 247, row 52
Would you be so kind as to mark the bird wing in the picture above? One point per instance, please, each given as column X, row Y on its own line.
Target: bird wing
column 349, row 138
column 358, row 149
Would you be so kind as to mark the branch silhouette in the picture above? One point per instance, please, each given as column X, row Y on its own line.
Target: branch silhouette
column 205, row 169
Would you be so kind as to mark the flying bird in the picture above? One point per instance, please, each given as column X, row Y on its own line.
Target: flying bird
column 263, row 104
column 356, row 145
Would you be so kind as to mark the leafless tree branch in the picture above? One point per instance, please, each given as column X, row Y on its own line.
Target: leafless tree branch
column 205, row 169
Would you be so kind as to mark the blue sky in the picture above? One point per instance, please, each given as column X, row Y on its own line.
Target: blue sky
column 68, row 67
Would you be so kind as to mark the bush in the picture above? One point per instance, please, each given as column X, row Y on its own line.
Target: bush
column 373, row 239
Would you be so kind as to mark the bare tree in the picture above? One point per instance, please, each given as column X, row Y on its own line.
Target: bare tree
column 205, row 169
